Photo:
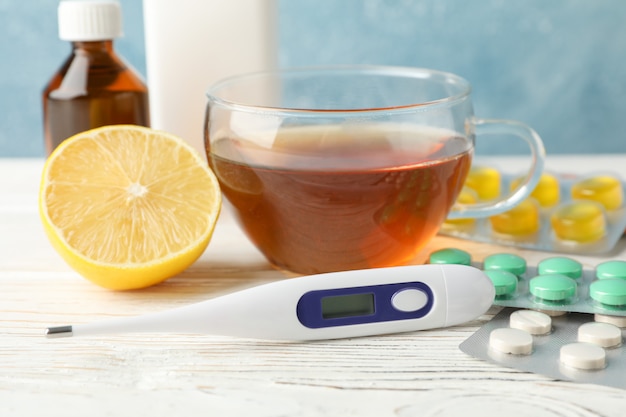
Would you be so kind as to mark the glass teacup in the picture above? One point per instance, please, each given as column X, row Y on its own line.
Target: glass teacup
column 342, row 168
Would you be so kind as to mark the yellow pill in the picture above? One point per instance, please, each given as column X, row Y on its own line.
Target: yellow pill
column 579, row 221
column 522, row 219
column 546, row 192
column 485, row 181
column 466, row 196
column 604, row 189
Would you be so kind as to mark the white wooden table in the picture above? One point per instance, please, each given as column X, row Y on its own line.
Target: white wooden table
column 416, row 374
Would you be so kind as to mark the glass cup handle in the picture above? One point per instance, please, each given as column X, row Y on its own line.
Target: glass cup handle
column 527, row 185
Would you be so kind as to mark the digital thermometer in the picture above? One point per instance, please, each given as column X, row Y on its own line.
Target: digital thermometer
column 325, row 306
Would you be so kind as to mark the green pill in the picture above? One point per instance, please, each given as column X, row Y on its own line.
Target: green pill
column 553, row 287
column 560, row 265
column 450, row 256
column 505, row 262
column 611, row 269
column 504, row 282
column 610, row 292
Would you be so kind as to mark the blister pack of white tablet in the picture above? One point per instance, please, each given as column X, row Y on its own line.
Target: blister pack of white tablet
column 578, row 347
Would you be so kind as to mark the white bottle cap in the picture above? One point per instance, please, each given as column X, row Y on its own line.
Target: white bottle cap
column 89, row 20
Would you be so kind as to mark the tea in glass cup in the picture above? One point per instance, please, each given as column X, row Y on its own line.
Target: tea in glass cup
column 331, row 169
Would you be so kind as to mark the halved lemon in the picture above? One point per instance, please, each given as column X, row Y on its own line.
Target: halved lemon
column 127, row 206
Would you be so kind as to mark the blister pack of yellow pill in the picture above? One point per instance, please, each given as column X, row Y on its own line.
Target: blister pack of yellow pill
column 566, row 213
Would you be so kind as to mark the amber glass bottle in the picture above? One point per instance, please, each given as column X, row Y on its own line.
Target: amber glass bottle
column 95, row 86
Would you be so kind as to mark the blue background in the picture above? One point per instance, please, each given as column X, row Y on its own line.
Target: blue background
column 558, row 65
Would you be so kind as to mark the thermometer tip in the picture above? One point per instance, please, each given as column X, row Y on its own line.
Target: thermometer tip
column 60, row 331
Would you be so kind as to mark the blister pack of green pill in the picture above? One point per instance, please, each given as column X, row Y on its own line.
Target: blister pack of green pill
column 556, row 284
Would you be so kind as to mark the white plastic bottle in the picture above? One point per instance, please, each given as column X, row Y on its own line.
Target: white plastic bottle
column 190, row 44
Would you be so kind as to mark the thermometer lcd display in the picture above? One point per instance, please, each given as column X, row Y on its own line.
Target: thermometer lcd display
column 350, row 305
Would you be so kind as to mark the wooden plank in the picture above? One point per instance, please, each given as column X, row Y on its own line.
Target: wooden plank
column 414, row 374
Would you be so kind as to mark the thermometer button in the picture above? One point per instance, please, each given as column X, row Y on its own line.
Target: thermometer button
column 409, row 300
